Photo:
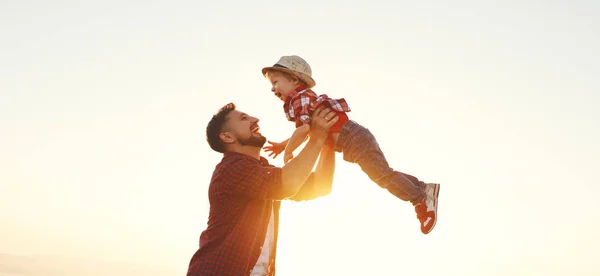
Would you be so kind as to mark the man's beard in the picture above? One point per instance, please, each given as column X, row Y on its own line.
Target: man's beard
column 254, row 141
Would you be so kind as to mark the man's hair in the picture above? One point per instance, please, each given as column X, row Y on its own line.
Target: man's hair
column 215, row 127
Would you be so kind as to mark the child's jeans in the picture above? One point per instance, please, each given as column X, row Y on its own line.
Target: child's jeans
column 358, row 145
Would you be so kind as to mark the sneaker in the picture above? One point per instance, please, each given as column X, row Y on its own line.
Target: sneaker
column 427, row 209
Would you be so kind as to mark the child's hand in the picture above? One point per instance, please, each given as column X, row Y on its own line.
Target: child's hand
column 287, row 156
column 275, row 148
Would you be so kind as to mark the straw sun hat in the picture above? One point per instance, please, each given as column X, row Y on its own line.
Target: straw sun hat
column 293, row 65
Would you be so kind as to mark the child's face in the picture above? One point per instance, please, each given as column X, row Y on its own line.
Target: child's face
column 282, row 86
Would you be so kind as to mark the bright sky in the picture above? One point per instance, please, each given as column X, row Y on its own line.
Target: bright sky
column 104, row 104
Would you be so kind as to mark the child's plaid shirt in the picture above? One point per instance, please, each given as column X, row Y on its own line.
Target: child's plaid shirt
column 300, row 105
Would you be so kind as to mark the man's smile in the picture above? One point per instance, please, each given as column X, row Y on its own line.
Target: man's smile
column 255, row 129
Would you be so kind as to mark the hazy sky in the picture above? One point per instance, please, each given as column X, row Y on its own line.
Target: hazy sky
column 104, row 104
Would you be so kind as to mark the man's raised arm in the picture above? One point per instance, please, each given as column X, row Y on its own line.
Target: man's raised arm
column 321, row 181
column 295, row 173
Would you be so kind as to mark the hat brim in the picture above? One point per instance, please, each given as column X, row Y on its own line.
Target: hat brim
column 310, row 82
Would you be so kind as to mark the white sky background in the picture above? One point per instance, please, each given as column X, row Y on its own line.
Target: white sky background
column 103, row 108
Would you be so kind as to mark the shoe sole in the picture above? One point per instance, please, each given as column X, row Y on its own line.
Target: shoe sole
column 436, row 193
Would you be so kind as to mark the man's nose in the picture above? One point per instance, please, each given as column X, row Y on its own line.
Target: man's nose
column 273, row 88
column 254, row 120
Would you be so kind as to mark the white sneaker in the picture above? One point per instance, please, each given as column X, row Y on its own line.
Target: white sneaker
column 427, row 209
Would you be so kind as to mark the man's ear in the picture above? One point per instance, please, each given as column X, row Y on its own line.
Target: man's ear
column 227, row 137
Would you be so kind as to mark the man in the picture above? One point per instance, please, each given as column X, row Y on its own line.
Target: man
column 245, row 193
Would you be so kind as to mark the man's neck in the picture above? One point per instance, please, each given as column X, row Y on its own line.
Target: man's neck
column 251, row 151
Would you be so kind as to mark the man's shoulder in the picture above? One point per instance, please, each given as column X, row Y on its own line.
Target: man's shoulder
column 234, row 157
column 235, row 160
column 227, row 171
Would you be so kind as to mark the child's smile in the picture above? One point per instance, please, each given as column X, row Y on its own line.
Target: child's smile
column 281, row 86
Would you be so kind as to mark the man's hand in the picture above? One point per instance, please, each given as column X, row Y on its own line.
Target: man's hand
column 322, row 120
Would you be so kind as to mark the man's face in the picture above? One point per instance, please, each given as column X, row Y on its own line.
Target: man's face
column 243, row 129
column 281, row 85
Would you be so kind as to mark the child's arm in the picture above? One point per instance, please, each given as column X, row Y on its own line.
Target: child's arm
column 298, row 137
column 276, row 148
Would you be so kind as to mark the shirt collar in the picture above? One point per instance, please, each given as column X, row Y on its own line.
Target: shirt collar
column 296, row 91
column 230, row 154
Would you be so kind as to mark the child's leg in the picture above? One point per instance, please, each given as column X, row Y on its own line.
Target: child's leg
column 358, row 145
column 413, row 179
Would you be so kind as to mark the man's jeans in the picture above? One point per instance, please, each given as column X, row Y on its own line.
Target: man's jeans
column 358, row 145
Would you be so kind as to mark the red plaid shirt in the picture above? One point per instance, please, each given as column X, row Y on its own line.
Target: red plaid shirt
column 243, row 192
column 301, row 103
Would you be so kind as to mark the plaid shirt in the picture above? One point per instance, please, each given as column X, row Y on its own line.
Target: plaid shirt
column 243, row 192
column 301, row 103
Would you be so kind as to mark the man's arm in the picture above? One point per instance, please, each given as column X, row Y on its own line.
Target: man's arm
column 295, row 173
column 325, row 170
column 321, row 181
